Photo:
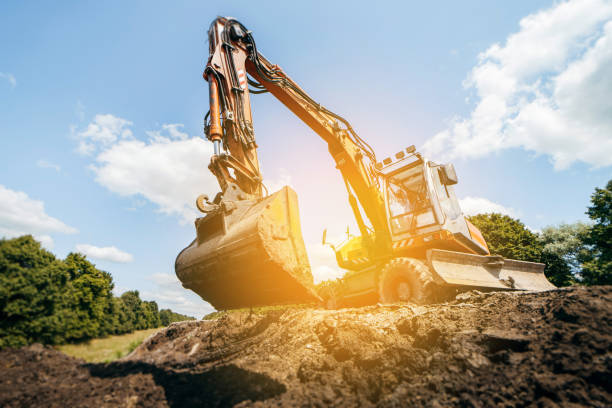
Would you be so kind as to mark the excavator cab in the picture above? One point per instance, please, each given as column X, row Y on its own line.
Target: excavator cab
column 422, row 208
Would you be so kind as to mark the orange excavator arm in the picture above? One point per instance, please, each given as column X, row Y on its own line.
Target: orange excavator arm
column 233, row 55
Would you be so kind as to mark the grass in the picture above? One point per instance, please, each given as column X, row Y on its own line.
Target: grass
column 107, row 349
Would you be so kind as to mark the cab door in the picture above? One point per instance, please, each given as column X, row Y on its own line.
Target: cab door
column 409, row 205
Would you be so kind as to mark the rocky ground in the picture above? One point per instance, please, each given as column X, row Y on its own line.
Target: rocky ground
column 498, row 349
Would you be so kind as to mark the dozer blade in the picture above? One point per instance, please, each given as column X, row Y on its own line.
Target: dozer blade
column 249, row 253
column 476, row 271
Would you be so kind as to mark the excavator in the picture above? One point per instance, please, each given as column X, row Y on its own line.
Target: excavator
column 414, row 243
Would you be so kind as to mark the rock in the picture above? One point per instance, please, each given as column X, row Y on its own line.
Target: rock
column 497, row 340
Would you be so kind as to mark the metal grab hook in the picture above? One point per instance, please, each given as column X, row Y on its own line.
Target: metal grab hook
column 204, row 205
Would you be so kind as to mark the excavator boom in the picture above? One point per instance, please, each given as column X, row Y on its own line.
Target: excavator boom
column 249, row 249
column 233, row 55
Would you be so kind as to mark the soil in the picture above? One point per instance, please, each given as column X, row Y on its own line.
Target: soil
column 496, row 349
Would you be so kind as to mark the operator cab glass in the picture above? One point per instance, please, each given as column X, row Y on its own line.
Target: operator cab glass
column 445, row 193
column 408, row 200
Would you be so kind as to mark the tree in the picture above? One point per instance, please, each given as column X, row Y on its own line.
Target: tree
column 32, row 282
column 167, row 316
column 557, row 269
column 597, row 258
column 53, row 301
column 508, row 237
column 86, row 298
column 125, row 323
column 151, row 312
column 133, row 308
column 561, row 248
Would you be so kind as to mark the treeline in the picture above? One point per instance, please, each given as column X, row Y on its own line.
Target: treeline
column 576, row 253
column 54, row 301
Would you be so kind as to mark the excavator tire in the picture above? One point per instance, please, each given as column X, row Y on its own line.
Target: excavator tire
column 406, row 280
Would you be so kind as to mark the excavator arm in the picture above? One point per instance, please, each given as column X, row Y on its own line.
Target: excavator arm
column 233, row 58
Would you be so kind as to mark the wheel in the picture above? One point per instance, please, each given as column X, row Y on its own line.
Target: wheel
column 406, row 280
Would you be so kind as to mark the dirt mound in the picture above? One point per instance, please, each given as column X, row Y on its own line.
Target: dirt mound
column 498, row 349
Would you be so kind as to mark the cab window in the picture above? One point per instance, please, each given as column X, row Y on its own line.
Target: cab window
column 406, row 195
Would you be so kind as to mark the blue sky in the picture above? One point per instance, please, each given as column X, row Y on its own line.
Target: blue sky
column 101, row 107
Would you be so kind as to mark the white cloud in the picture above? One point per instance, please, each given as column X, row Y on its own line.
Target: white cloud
column 111, row 253
column 534, row 230
column 169, row 173
column 173, row 132
column 169, row 293
column 283, row 179
column 169, row 169
column 323, row 261
column 20, row 215
column 479, row 205
column 48, row 165
column 10, row 78
column 546, row 89
column 103, row 131
column 45, row 240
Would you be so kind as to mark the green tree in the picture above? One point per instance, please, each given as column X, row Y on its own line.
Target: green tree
column 597, row 258
column 32, row 282
column 110, row 322
column 562, row 245
column 125, row 324
column 167, row 316
column 135, row 311
column 557, row 270
column 151, row 312
column 86, row 299
column 508, row 237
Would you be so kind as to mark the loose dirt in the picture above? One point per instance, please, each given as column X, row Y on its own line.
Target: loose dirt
column 497, row 349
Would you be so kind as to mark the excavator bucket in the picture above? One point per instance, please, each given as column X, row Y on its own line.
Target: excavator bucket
column 249, row 253
column 487, row 272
